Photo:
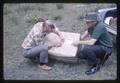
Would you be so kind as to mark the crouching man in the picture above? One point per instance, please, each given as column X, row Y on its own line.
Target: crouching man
column 34, row 45
column 99, row 44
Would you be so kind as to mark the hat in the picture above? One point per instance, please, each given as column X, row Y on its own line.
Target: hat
column 91, row 16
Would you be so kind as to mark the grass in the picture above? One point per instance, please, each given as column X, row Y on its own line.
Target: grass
column 41, row 8
column 81, row 17
column 59, row 6
column 97, row 8
column 6, row 11
column 24, row 8
column 57, row 18
column 16, row 67
column 13, row 19
column 27, row 8
column 31, row 19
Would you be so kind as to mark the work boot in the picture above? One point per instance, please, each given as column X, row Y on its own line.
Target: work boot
column 92, row 71
column 45, row 67
column 94, row 68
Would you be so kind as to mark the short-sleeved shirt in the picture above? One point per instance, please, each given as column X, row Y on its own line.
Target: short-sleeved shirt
column 100, row 33
column 36, row 36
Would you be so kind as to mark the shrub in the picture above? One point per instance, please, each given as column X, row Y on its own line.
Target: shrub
column 81, row 17
column 31, row 19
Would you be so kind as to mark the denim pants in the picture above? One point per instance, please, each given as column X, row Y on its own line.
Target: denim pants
column 39, row 51
column 94, row 53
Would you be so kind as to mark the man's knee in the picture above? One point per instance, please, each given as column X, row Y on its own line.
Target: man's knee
column 44, row 48
column 44, row 56
column 84, row 52
column 86, row 48
column 25, row 53
column 87, row 51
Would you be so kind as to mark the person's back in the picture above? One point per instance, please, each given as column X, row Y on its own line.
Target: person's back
column 33, row 36
column 100, row 32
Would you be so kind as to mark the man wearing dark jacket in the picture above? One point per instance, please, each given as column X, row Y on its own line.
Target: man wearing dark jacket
column 98, row 45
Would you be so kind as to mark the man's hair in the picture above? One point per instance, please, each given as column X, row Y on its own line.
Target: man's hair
column 41, row 19
column 50, row 23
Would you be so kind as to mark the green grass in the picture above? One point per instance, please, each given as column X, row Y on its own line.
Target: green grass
column 13, row 19
column 57, row 18
column 81, row 17
column 31, row 19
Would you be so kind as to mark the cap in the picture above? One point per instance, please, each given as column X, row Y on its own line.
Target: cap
column 91, row 16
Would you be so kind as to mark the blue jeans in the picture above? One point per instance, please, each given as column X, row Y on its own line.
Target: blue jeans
column 39, row 51
column 94, row 53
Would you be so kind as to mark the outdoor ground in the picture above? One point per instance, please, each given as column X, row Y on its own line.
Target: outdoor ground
column 19, row 19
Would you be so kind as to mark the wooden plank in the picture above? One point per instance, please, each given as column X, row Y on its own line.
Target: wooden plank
column 66, row 50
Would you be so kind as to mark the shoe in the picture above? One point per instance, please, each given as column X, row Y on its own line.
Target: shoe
column 92, row 70
column 45, row 67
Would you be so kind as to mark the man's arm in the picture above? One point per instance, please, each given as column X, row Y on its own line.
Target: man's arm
column 59, row 34
column 50, row 45
column 85, row 34
column 86, row 42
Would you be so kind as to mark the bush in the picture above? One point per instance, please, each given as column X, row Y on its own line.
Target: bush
column 31, row 19
column 81, row 17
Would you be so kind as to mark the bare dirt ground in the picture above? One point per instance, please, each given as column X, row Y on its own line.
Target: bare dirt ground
column 19, row 19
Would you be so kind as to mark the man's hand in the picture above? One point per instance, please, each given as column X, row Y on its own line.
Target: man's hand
column 58, row 44
column 50, row 45
column 76, row 43
column 61, row 36
column 62, row 39
column 84, row 35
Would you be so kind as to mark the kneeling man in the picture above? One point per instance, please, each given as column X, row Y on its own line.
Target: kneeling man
column 97, row 46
